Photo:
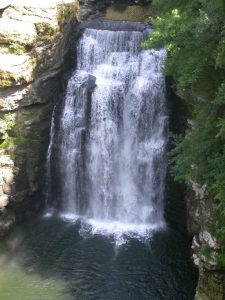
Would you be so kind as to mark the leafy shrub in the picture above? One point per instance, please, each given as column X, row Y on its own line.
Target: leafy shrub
column 193, row 32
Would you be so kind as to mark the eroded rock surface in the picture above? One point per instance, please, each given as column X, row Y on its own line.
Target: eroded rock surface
column 34, row 44
column 202, row 222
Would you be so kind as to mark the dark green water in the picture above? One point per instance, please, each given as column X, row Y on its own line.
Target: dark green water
column 47, row 259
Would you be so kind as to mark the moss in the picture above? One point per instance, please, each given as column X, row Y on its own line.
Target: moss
column 206, row 251
column 66, row 12
column 17, row 48
column 11, row 143
column 6, row 123
column 45, row 31
column 6, row 80
column 7, row 144
column 221, row 260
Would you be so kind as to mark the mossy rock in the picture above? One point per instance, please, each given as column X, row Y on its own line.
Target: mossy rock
column 15, row 31
column 45, row 31
column 66, row 12
column 6, row 80
column 15, row 70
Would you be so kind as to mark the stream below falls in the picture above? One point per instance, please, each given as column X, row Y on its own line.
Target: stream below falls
column 52, row 259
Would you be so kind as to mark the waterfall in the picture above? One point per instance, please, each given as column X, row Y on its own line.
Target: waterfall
column 109, row 140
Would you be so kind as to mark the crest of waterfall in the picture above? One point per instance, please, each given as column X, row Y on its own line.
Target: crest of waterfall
column 110, row 141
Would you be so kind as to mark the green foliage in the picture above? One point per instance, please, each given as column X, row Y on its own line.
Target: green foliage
column 193, row 31
column 6, row 123
column 190, row 32
column 199, row 156
column 220, row 59
column 11, row 143
column 221, row 260
column 45, row 31
column 206, row 251
column 16, row 48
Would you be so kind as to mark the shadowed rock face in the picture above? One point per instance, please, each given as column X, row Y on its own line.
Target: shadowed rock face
column 115, row 25
column 112, row 2
column 116, row 10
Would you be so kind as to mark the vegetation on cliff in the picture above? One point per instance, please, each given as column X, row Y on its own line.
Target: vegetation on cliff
column 194, row 34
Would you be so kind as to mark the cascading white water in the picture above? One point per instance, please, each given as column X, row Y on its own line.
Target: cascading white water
column 112, row 132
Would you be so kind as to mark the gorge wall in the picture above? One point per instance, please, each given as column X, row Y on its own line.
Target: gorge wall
column 206, row 247
column 36, row 42
column 191, row 209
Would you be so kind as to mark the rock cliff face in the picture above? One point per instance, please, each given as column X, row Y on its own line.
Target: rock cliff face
column 201, row 223
column 34, row 44
column 192, row 210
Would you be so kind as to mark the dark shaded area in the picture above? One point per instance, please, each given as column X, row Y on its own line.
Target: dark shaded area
column 120, row 3
column 159, row 269
column 114, row 25
column 175, row 208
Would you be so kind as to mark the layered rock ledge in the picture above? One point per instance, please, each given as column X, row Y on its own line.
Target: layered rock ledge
column 34, row 43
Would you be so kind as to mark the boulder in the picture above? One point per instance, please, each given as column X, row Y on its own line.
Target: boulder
column 15, row 69
column 12, row 31
column 14, row 97
column 4, row 200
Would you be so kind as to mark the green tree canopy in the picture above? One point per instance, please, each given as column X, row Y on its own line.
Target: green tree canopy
column 193, row 32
